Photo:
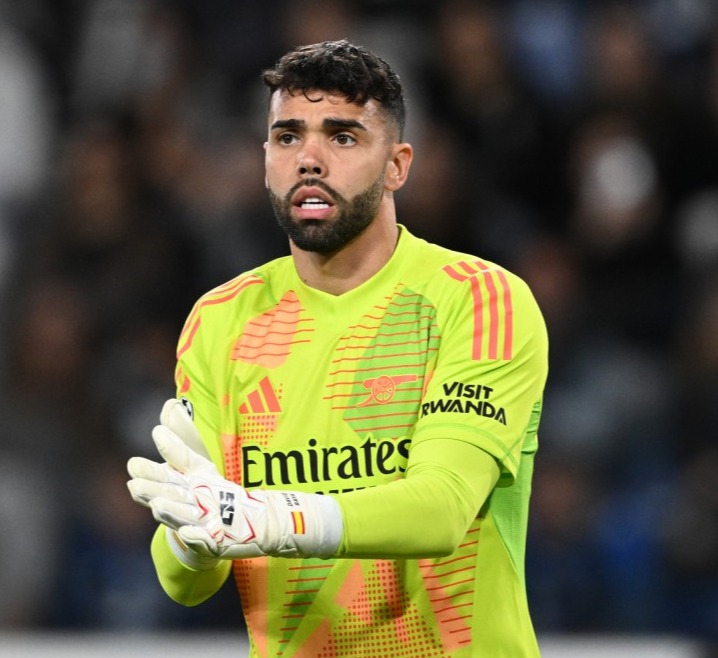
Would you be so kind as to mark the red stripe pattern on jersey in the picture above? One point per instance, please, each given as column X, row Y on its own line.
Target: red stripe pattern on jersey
column 492, row 311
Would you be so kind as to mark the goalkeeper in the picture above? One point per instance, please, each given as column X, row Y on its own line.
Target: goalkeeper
column 355, row 424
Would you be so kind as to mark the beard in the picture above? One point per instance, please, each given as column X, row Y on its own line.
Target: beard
column 328, row 236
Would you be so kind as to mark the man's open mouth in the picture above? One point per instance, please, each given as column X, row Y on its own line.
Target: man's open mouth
column 313, row 203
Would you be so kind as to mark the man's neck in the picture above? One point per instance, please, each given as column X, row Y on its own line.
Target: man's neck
column 351, row 266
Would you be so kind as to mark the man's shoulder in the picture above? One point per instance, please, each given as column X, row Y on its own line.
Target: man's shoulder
column 438, row 265
column 244, row 287
column 216, row 315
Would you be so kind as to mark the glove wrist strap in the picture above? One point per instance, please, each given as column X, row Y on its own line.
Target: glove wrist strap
column 305, row 525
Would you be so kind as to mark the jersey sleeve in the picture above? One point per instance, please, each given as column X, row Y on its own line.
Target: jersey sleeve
column 491, row 366
column 182, row 584
column 425, row 514
column 194, row 380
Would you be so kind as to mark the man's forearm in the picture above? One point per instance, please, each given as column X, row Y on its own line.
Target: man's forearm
column 427, row 513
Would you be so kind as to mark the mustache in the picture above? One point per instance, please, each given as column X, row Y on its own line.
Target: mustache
column 315, row 182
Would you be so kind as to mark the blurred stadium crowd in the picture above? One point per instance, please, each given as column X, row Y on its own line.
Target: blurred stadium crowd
column 575, row 142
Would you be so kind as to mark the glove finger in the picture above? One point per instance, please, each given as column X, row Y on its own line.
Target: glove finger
column 177, row 454
column 240, row 551
column 174, row 514
column 175, row 416
column 146, row 469
column 138, row 492
column 139, row 467
column 199, row 540
column 144, row 491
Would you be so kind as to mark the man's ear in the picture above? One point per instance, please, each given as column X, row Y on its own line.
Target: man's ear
column 397, row 169
column 266, row 182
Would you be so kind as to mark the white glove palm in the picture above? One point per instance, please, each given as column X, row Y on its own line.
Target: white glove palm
column 215, row 518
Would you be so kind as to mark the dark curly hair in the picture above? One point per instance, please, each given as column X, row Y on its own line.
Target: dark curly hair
column 339, row 66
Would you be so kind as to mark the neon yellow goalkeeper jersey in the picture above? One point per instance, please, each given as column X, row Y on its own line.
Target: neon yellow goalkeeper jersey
column 294, row 388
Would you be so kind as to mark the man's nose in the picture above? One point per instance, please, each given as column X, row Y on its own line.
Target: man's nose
column 310, row 162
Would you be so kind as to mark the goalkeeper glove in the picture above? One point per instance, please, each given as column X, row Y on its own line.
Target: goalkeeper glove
column 210, row 518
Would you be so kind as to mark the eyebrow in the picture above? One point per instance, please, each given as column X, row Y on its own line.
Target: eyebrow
column 288, row 123
column 333, row 124
column 343, row 124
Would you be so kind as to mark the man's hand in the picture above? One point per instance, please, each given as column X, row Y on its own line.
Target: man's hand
column 210, row 517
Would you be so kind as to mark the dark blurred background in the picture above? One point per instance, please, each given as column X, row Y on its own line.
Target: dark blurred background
column 574, row 142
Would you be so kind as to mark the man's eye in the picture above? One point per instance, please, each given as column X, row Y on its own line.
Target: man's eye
column 287, row 138
column 344, row 139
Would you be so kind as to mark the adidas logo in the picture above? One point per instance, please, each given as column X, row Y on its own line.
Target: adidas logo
column 261, row 400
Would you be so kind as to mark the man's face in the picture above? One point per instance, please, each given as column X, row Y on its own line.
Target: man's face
column 325, row 167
